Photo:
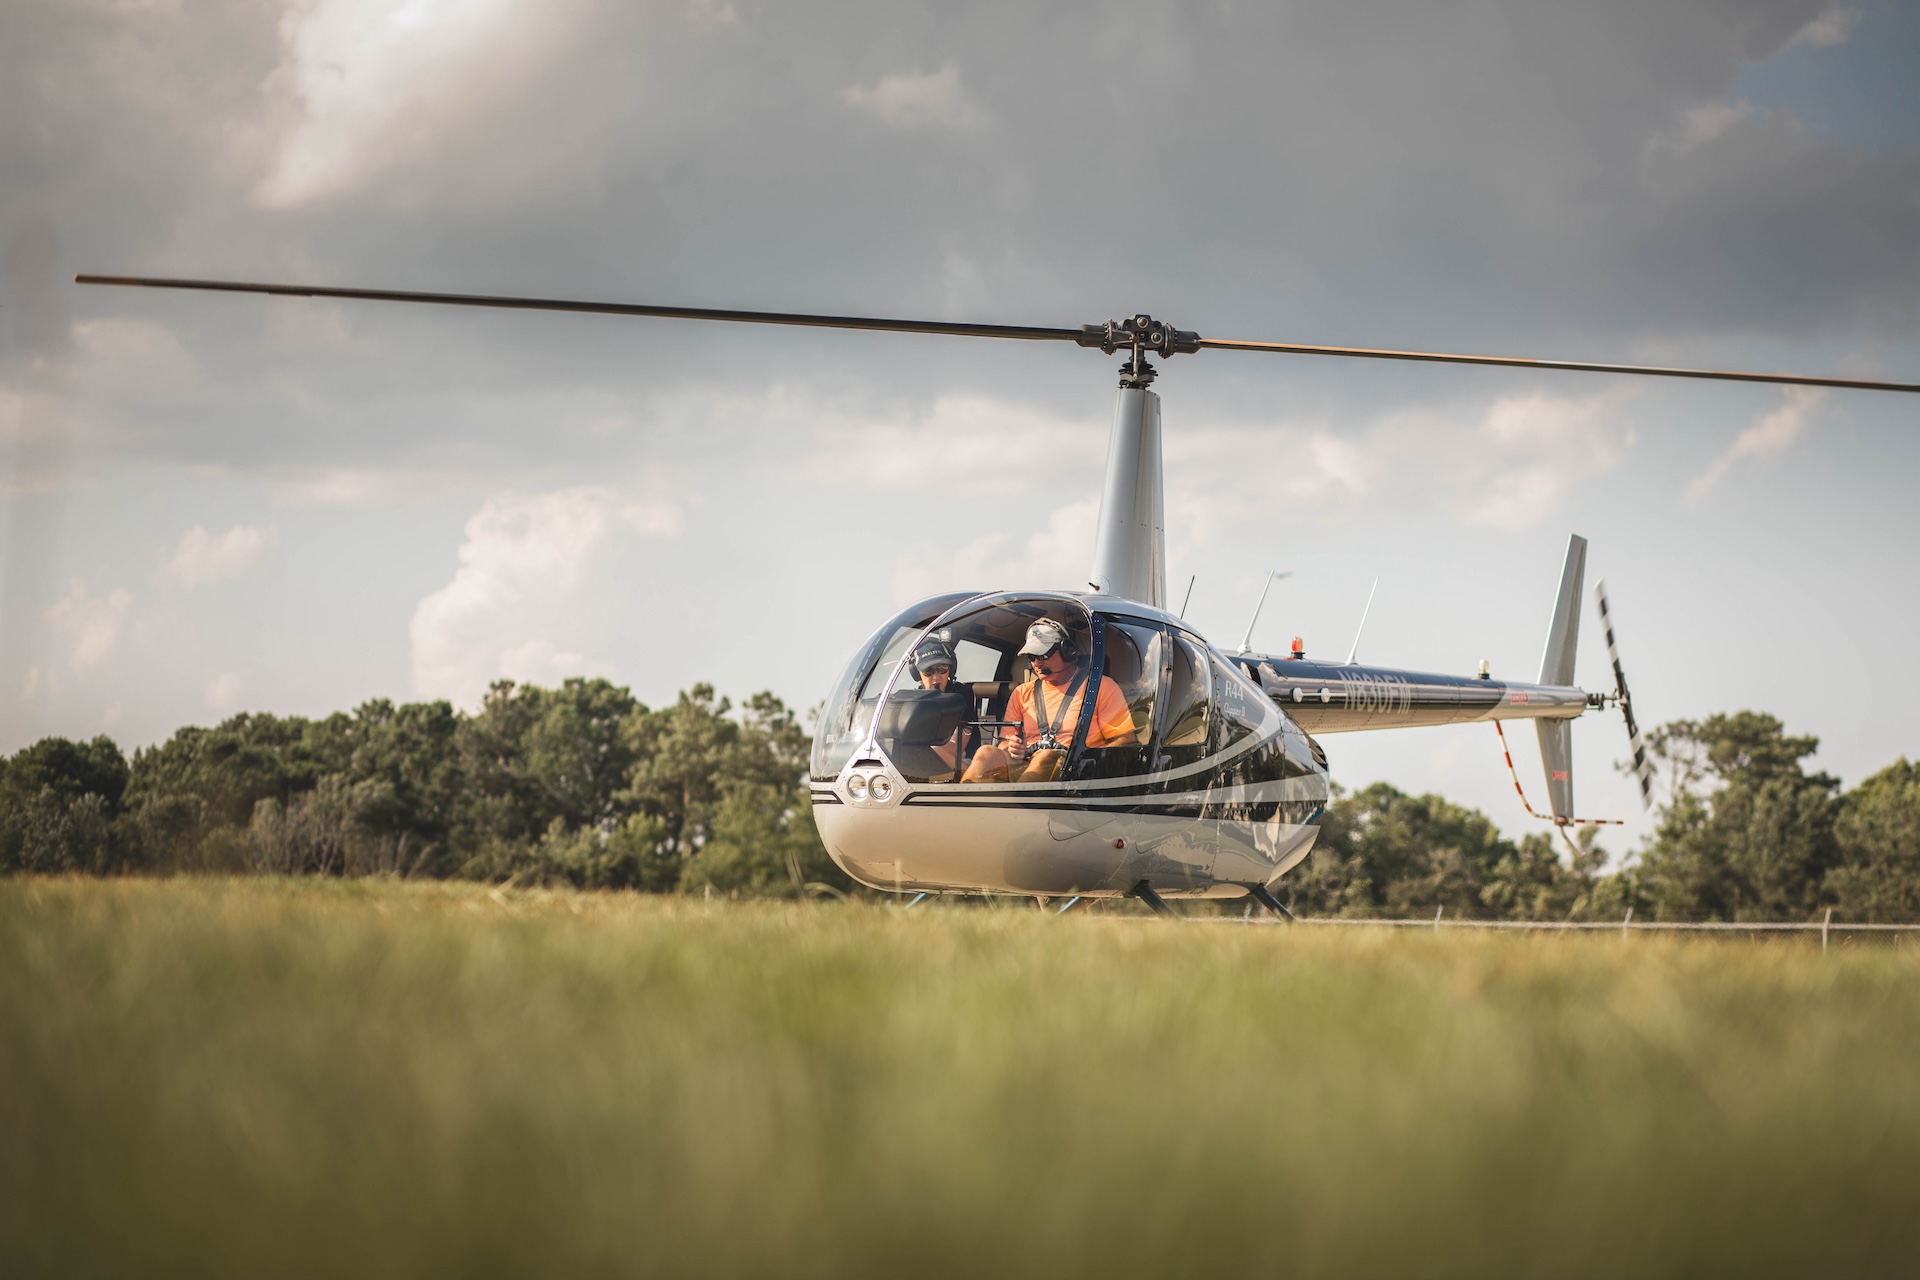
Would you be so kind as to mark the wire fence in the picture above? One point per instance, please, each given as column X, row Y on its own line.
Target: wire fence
column 1824, row 927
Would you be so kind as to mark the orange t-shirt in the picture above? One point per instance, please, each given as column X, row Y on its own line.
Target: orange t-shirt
column 1112, row 722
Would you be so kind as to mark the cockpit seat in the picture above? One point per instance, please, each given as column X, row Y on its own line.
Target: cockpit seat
column 923, row 717
column 1126, row 668
column 916, row 721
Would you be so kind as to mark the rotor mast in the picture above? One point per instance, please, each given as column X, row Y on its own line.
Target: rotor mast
column 1130, row 547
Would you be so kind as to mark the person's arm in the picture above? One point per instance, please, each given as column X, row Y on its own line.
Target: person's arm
column 1019, row 709
column 1112, row 721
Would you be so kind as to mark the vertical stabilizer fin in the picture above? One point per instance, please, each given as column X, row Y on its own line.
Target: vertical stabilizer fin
column 1556, row 758
column 1563, row 636
column 1556, row 668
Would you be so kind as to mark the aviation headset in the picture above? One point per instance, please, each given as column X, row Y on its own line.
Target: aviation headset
column 933, row 652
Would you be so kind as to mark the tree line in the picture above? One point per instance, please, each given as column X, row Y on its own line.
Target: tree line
column 1744, row 832
column 584, row 785
column 581, row 785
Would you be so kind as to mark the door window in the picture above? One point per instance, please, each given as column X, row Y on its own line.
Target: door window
column 849, row 709
column 977, row 726
column 1188, row 709
column 1135, row 662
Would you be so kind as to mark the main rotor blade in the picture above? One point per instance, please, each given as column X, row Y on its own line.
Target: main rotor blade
column 1578, row 366
column 1107, row 337
column 599, row 308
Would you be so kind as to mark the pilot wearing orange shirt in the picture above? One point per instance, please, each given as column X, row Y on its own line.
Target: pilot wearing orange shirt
column 1045, row 711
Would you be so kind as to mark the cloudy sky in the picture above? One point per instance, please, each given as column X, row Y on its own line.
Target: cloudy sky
column 215, row 504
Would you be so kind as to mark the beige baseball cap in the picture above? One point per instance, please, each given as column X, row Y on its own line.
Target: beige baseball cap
column 1044, row 636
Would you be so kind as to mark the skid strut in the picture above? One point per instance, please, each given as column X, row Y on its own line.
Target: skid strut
column 1145, row 893
column 1264, row 896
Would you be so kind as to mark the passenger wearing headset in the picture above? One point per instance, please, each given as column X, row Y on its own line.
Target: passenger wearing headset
column 933, row 665
column 1044, row 712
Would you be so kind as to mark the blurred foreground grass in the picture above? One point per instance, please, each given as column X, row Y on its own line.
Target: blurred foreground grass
column 298, row 1077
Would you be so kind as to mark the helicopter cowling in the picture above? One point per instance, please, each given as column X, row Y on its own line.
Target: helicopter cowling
column 1216, row 789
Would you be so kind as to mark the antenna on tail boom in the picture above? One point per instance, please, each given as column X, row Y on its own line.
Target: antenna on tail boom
column 1273, row 576
column 1355, row 651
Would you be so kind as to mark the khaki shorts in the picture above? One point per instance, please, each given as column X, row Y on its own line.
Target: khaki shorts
column 1043, row 765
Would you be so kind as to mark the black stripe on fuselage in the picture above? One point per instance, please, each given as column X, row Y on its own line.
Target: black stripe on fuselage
column 1295, row 812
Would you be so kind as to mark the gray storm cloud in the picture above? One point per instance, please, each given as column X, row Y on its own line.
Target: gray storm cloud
column 1492, row 175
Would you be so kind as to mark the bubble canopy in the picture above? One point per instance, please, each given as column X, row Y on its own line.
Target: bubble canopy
column 984, row 633
column 848, row 714
column 1131, row 694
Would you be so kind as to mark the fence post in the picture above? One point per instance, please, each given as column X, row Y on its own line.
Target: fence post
column 1823, row 929
column 1626, row 922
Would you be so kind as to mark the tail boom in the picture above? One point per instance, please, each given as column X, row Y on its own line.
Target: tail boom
column 1328, row 697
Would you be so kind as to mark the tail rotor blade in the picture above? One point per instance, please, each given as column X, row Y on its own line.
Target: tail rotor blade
column 1642, row 770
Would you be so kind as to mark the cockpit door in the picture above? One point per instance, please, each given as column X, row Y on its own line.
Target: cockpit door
column 1184, row 737
column 1133, row 658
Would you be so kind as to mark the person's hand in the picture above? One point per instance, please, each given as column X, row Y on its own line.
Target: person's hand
column 1016, row 749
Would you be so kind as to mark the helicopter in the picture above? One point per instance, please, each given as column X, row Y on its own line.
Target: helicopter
column 1091, row 744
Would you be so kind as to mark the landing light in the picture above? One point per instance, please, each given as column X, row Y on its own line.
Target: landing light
column 881, row 790
column 857, row 786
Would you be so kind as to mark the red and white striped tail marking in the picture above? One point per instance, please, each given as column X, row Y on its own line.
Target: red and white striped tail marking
column 1558, row 776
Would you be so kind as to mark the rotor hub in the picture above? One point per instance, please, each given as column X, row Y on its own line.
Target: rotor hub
column 1138, row 333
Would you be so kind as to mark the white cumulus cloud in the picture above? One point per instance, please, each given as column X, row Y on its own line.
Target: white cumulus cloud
column 374, row 83
column 91, row 624
column 1773, row 433
column 963, row 437
column 201, row 558
column 1057, row 556
column 1532, row 449
column 1328, row 464
column 1830, row 28
column 350, row 486
column 918, row 100
column 522, row 557
column 1704, row 124
column 541, row 661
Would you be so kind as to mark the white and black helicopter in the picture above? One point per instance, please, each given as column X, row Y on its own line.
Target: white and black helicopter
column 1081, row 744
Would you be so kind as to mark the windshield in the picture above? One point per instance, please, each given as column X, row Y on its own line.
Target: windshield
column 973, row 714
column 849, row 711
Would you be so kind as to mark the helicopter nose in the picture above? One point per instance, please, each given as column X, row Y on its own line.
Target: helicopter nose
column 869, row 787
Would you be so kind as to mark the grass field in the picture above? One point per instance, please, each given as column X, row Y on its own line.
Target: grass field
column 293, row 1077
